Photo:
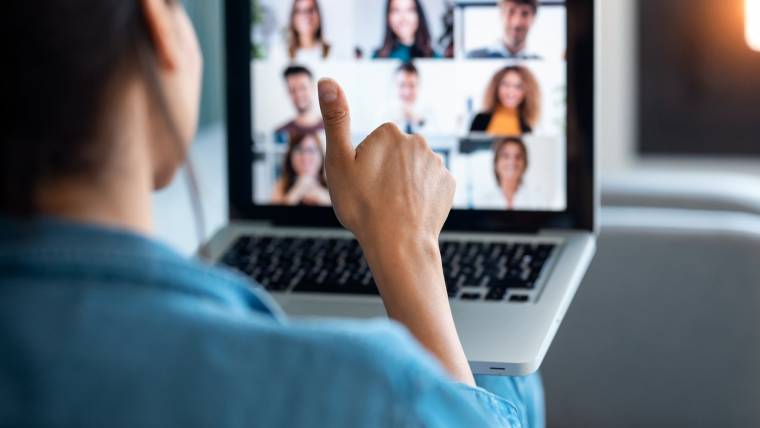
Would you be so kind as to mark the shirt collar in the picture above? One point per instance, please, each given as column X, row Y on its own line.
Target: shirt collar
column 501, row 48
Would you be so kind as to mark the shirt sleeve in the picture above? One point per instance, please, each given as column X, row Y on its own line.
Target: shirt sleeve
column 358, row 373
column 455, row 405
column 422, row 393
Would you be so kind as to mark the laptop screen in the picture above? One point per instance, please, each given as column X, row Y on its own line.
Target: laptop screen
column 485, row 82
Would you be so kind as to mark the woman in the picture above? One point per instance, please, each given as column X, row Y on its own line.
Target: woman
column 303, row 178
column 509, row 165
column 511, row 104
column 406, row 32
column 103, row 326
column 305, row 41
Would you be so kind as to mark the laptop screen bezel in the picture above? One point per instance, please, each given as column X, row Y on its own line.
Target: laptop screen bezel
column 581, row 189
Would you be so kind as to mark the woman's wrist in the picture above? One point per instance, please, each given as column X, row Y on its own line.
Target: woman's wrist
column 409, row 274
column 379, row 240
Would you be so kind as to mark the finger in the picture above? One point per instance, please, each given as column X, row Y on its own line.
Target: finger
column 337, row 120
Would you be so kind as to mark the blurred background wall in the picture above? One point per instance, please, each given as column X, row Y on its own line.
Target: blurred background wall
column 699, row 80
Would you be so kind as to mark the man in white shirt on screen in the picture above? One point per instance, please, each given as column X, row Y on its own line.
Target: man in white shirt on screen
column 517, row 18
column 407, row 114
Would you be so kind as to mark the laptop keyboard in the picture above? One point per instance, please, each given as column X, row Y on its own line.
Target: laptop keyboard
column 473, row 270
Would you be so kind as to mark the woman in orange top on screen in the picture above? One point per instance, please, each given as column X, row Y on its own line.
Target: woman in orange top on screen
column 303, row 178
column 512, row 103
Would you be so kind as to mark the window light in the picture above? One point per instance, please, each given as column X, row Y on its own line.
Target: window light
column 752, row 23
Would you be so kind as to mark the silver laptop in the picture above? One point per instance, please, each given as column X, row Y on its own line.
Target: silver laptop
column 502, row 91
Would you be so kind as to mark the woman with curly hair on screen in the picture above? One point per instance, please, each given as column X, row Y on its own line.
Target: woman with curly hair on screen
column 511, row 105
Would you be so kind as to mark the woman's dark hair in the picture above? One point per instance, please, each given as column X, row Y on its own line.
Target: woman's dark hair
column 67, row 61
column 289, row 175
column 294, row 42
column 500, row 144
column 423, row 42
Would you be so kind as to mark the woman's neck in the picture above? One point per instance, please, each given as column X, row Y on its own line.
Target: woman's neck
column 306, row 41
column 120, row 196
column 407, row 41
column 308, row 119
column 111, row 204
column 504, row 109
column 509, row 189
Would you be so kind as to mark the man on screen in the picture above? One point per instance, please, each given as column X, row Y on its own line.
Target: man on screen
column 408, row 117
column 301, row 89
column 517, row 17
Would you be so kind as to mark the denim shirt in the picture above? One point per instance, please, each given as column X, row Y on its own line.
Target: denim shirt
column 105, row 328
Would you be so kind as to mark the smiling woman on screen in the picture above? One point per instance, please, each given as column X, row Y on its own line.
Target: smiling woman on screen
column 407, row 35
column 511, row 104
column 305, row 38
column 303, row 178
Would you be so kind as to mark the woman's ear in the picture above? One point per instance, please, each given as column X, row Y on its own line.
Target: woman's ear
column 158, row 18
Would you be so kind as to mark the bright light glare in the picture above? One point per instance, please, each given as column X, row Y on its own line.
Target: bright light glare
column 752, row 23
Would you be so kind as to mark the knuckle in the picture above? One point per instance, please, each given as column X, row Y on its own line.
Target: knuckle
column 389, row 128
column 419, row 142
column 387, row 133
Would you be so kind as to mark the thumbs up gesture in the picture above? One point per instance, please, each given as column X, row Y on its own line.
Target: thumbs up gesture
column 392, row 186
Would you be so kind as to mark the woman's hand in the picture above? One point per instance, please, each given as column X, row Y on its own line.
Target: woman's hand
column 394, row 194
column 309, row 191
column 301, row 188
column 393, row 184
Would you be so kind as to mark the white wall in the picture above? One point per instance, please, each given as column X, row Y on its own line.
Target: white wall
column 616, row 84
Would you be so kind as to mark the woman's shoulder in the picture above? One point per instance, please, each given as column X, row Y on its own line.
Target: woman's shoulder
column 480, row 121
column 525, row 125
column 381, row 352
column 364, row 342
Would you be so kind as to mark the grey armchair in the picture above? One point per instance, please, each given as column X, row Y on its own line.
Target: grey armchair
column 688, row 189
column 665, row 330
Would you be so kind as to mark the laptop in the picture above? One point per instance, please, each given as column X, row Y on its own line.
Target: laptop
column 516, row 131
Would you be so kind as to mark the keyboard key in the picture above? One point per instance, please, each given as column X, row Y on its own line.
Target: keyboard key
column 518, row 298
column 470, row 296
column 496, row 294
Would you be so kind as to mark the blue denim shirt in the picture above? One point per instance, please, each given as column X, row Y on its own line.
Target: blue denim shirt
column 104, row 328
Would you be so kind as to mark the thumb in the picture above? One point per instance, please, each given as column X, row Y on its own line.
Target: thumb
column 337, row 120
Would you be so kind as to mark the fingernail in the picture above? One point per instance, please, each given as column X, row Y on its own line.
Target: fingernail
column 328, row 91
